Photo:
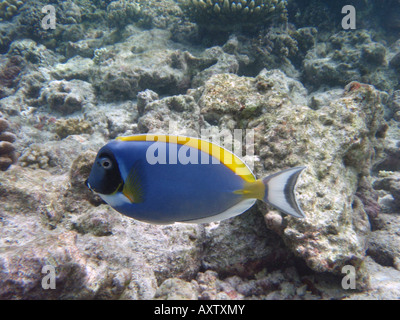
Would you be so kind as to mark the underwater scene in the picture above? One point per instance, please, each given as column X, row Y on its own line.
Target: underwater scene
column 200, row 150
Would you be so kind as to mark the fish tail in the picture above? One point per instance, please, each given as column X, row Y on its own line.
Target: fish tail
column 279, row 191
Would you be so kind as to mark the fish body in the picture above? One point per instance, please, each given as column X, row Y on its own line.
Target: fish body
column 164, row 179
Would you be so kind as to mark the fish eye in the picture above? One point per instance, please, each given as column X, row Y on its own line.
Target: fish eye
column 106, row 163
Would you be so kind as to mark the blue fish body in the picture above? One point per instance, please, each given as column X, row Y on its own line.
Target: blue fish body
column 166, row 181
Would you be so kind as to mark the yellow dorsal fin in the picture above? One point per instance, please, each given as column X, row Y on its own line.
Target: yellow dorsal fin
column 223, row 155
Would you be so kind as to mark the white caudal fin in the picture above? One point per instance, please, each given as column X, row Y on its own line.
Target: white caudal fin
column 279, row 191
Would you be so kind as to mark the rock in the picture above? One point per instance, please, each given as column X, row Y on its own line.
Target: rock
column 95, row 252
column 77, row 190
column 9, row 8
column 336, row 150
column 96, row 222
column 389, row 182
column 35, row 157
column 282, row 284
column 138, row 65
column 384, row 285
column 374, row 53
column 54, row 156
column 223, row 63
column 242, row 106
column 369, row 198
column 210, row 287
column 394, row 104
column 383, row 244
column 71, row 126
column 390, row 160
column 83, row 50
column 278, row 48
column 75, row 68
column 67, row 97
column 348, row 57
column 319, row 99
column 120, row 12
column 165, row 114
column 395, row 61
column 176, row 289
column 243, row 246
column 33, row 52
column 144, row 98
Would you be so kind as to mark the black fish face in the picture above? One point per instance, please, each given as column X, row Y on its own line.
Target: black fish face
column 105, row 177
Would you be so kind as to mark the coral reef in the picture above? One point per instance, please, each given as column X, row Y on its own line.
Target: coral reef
column 67, row 97
column 155, row 64
column 383, row 242
column 8, row 156
column 121, row 12
column 9, row 75
column 35, row 157
column 66, row 127
column 135, row 255
column 280, row 284
column 226, row 11
column 348, row 57
column 9, row 8
column 281, row 139
column 389, row 182
column 393, row 106
column 176, row 289
column 310, row 93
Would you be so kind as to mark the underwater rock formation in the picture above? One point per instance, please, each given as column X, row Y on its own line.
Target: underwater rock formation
column 70, row 126
column 346, row 57
column 35, row 157
column 383, row 243
column 390, row 182
column 336, row 143
column 67, row 97
column 9, row 75
column 8, row 156
column 9, row 8
column 95, row 252
column 139, row 64
column 122, row 12
column 99, row 253
column 121, row 67
column 176, row 289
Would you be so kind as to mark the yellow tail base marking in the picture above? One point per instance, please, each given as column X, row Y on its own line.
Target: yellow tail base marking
column 252, row 190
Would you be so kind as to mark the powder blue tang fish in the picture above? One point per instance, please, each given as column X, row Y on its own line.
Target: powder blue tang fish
column 163, row 179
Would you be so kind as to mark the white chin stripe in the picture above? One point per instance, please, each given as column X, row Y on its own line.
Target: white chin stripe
column 115, row 200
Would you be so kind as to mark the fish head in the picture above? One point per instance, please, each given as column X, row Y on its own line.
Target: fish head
column 105, row 177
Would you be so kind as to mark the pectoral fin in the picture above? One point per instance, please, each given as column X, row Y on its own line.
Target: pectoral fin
column 134, row 184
